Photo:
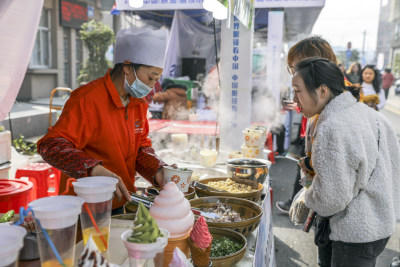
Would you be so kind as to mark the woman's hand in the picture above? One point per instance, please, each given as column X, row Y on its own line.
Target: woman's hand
column 302, row 165
column 160, row 175
column 121, row 190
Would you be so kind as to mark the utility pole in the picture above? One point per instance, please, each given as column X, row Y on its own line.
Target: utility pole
column 363, row 48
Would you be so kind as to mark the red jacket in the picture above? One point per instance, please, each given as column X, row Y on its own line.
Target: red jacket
column 101, row 128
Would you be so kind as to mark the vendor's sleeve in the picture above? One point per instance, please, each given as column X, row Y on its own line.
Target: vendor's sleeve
column 60, row 153
column 335, row 164
column 147, row 164
column 63, row 145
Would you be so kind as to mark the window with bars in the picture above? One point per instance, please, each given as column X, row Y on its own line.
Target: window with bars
column 78, row 53
column 67, row 59
column 41, row 54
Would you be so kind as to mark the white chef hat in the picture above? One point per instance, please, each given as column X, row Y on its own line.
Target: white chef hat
column 141, row 46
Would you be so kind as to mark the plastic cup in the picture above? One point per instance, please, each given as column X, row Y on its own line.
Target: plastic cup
column 97, row 192
column 252, row 152
column 58, row 216
column 181, row 177
column 180, row 141
column 208, row 158
column 253, row 137
column 149, row 255
column 11, row 242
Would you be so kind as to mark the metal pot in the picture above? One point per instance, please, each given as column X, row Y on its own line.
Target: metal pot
column 249, row 171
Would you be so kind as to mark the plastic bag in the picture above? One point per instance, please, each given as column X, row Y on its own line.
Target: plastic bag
column 298, row 211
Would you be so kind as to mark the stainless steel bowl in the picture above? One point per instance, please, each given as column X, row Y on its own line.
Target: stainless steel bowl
column 249, row 171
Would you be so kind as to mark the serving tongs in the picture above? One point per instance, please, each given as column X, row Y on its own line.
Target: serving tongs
column 206, row 187
column 148, row 203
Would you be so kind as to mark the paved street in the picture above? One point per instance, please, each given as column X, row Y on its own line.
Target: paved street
column 295, row 247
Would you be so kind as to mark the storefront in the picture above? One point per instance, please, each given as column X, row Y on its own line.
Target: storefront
column 58, row 53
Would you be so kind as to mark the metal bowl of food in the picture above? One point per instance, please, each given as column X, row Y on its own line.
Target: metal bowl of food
column 250, row 171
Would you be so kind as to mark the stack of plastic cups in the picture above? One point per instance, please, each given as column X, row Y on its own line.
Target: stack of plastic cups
column 254, row 141
column 11, row 242
column 146, row 255
column 97, row 192
column 57, row 217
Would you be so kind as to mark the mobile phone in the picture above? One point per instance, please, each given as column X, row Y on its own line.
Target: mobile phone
column 287, row 102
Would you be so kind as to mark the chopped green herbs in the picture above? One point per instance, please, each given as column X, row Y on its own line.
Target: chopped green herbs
column 223, row 247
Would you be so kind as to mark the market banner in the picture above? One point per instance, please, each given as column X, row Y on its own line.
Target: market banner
column 235, row 93
column 288, row 3
column 19, row 21
column 198, row 4
column 243, row 10
column 274, row 50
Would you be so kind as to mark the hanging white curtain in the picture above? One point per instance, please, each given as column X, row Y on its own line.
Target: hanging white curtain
column 188, row 39
column 19, row 20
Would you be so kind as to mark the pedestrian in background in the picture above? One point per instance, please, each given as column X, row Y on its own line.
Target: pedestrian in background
column 342, row 68
column 174, row 98
column 370, row 81
column 387, row 81
column 353, row 73
column 355, row 185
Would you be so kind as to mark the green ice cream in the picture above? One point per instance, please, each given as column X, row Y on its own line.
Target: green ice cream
column 145, row 229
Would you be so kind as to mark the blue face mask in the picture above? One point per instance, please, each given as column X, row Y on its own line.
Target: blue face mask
column 138, row 88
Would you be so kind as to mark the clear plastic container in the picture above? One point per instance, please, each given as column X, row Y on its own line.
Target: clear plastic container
column 146, row 255
column 11, row 242
column 58, row 217
column 97, row 192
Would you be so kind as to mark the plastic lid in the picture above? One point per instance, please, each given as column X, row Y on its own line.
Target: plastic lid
column 11, row 241
column 14, row 187
column 95, row 189
column 145, row 251
column 57, row 212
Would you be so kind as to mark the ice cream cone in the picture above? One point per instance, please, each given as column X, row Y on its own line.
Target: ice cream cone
column 181, row 243
column 200, row 257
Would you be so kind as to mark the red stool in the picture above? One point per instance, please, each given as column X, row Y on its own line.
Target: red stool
column 45, row 179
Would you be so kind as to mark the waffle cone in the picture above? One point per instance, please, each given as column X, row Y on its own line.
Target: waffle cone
column 200, row 257
column 181, row 243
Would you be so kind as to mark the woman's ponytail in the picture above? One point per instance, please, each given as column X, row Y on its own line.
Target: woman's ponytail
column 355, row 90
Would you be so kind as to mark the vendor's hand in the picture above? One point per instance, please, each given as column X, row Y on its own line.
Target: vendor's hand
column 121, row 190
column 160, row 175
column 302, row 165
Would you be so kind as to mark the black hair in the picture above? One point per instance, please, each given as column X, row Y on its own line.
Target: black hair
column 317, row 71
column 388, row 70
column 118, row 68
column 376, row 83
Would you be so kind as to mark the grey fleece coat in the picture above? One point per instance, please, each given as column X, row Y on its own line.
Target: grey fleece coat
column 355, row 183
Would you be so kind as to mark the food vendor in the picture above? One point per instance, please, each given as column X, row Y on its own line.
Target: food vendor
column 103, row 129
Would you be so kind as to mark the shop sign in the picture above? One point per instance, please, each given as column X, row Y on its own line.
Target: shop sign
column 73, row 13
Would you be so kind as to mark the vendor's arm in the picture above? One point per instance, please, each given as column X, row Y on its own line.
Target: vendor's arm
column 161, row 97
column 63, row 145
column 61, row 153
column 335, row 164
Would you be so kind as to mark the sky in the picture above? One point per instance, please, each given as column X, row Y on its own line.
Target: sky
column 341, row 21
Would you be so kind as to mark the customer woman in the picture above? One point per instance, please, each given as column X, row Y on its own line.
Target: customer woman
column 309, row 47
column 103, row 129
column 355, row 184
column 374, row 95
column 353, row 73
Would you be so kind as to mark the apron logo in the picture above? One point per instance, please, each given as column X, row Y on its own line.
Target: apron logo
column 138, row 129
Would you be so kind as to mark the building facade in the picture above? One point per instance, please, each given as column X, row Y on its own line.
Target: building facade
column 58, row 54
